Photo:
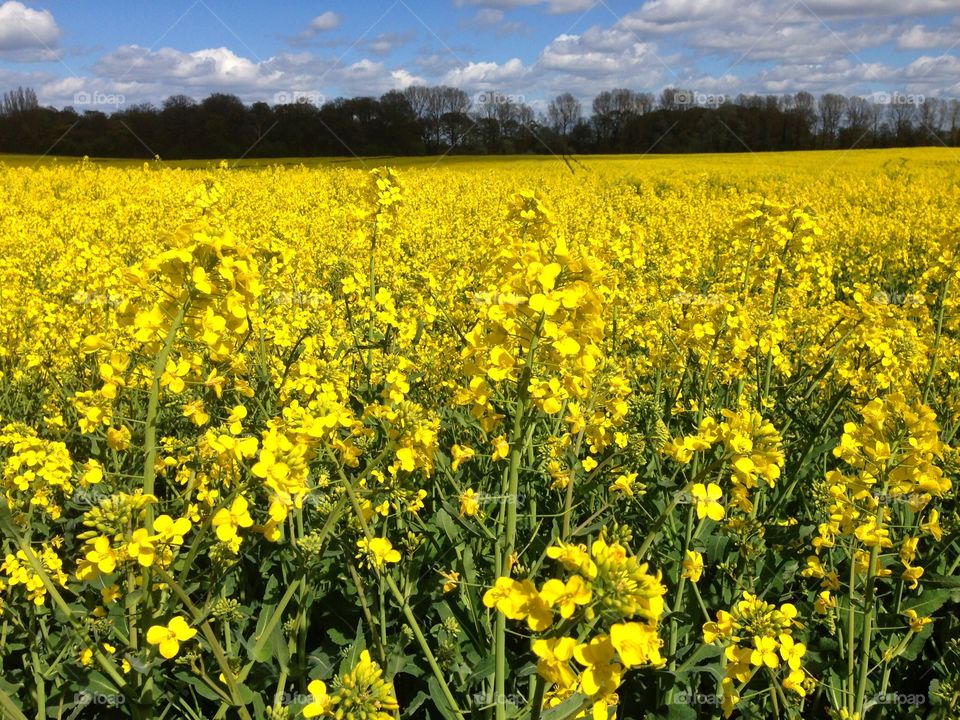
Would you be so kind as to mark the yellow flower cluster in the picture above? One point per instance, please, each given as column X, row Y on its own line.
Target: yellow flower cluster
column 606, row 584
column 539, row 321
column 38, row 473
column 885, row 499
column 751, row 446
column 359, row 694
column 19, row 571
column 758, row 636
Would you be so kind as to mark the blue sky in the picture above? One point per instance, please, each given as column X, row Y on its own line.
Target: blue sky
column 131, row 51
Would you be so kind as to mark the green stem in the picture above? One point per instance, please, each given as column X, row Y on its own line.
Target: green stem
column 153, row 404
column 232, row 683
column 401, row 600
column 10, row 710
column 868, row 593
column 851, row 644
column 936, row 343
column 106, row 664
column 680, row 494
column 867, row 632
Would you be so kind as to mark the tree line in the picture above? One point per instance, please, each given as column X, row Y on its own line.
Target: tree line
column 437, row 120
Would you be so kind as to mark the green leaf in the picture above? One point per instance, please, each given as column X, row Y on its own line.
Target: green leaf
column 930, row 601
column 203, row 690
column 99, row 683
column 415, row 703
column 436, row 694
column 352, row 657
column 945, row 581
column 679, row 711
column 567, row 709
column 446, row 524
column 483, row 669
column 338, row 637
column 702, row 652
column 278, row 643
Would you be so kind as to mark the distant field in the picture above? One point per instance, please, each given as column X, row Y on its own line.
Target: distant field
column 803, row 161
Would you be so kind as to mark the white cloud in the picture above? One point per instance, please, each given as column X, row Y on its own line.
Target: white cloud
column 880, row 8
column 27, row 35
column 152, row 75
column 485, row 75
column 403, row 79
column 919, row 38
column 795, row 43
column 327, row 21
column 217, row 68
column 710, row 46
column 323, row 23
column 489, row 17
column 385, row 43
column 492, row 19
column 677, row 16
column 612, row 56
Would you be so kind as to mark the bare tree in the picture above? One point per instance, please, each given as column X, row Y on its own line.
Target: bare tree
column 603, row 117
column 18, row 101
column 954, row 113
column 831, row 108
column 668, row 98
column 418, row 96
column 454, row 104
column 805, row 105
column 902, row 112
column 645, row 102
column 932, row 115
column 563, row 113
column 860, row 112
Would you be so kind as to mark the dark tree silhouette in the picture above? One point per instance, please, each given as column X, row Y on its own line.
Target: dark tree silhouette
column 433, row 120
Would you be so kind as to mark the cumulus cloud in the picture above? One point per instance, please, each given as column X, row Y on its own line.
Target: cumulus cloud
column 492, row 19
column 879, row 8
column 386, row 43
column 485, row 75
column 327, row 21
column 604, row 56
column 323, row 23
column 141, row 74
column 215, row 68
column 27, row 35
column 918, row 37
